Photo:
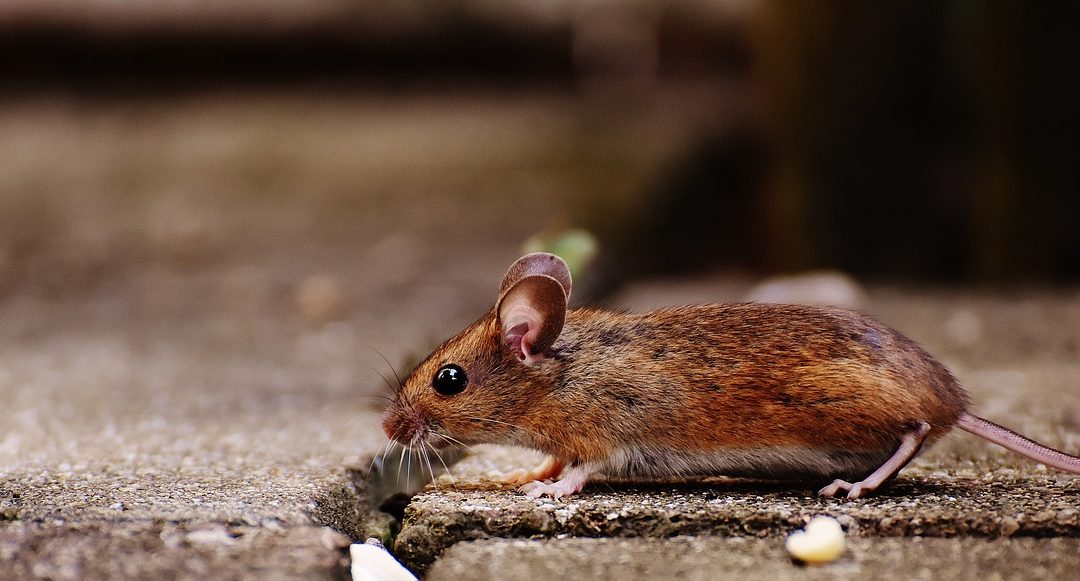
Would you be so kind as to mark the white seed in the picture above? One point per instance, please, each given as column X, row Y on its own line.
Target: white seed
column 822, row 541
column 371, row 563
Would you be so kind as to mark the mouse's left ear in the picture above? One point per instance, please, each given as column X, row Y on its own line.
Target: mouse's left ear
column 532, row 302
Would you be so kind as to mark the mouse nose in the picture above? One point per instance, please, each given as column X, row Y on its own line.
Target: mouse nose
column 401, row 426
column 391, row 425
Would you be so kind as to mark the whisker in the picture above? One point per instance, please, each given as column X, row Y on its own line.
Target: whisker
column 401, row 461
column 374, row 402
column 381, row 396
column 420, row 455
column 388, row 451
column 454, row 441
column 408, row 466
column 379, row 454
column 352, row 419
column 479, row 419
column 399, row 390
column 388, row 364
column 427, row 460
column 385, row 380
column 530, row 433
column 362, row 411
column 393, row 370
column 453, row 481
column 374, row 458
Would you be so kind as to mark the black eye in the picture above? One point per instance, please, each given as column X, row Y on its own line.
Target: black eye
column 450, row 380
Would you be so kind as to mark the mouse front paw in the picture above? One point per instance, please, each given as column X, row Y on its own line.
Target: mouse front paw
column 556, row 490
column 572, row 482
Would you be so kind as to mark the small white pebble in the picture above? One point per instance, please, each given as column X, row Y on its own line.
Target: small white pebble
column 371, row 563
column 213, row 536
column 822, row 541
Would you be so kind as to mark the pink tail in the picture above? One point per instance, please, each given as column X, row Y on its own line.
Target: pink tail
column 1024, row 446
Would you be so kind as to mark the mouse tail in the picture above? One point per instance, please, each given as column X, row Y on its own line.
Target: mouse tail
column 1018, row 443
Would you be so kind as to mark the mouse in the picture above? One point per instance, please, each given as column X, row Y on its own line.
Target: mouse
column 773, row 391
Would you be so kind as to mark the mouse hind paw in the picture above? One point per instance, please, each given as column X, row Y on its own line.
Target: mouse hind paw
column 910, row 443
column 853, row 490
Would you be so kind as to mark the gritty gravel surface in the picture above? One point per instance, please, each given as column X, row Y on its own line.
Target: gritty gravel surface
column 708, row 558
column 996, row 505
column 92, row 549
column 104, row 427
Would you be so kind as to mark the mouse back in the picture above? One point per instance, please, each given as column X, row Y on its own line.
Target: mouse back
column 753, row 375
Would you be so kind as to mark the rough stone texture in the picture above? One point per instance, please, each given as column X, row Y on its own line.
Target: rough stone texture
column 269, row 517
column 93, row 549
column 708, row 558
column 995, row 505
column 121, row 437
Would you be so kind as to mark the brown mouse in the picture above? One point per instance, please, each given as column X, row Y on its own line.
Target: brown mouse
column 762, row 390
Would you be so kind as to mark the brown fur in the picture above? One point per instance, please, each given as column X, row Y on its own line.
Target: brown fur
column 695, row 379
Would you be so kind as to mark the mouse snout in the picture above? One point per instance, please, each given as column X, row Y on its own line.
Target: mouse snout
column 391, row 425
column 388, row 426
column 402, row 427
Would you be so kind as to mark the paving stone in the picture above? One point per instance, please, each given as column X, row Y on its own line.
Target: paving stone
column 102, row 549
column 116, row 479
column 709, row 558
column 941, row 506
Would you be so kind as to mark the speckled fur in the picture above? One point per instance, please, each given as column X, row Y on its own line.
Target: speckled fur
column 747, row 389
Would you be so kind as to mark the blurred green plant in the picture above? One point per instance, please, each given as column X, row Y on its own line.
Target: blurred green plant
column 576, row 246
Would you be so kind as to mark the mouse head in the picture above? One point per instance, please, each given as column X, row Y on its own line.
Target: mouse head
column 476, row 387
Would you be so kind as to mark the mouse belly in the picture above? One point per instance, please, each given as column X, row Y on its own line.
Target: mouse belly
column 774, row 462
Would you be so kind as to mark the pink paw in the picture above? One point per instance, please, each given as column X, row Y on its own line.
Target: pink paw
column 854, row 491
column 556, row 490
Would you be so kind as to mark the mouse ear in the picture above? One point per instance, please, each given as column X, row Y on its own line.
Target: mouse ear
column 532, row 305
column 537, row 263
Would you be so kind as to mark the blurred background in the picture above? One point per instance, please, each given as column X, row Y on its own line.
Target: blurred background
column 299, row 180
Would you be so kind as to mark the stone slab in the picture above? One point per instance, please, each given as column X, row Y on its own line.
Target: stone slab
column 710, row 558
column 96, row 549
column 994, row 506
